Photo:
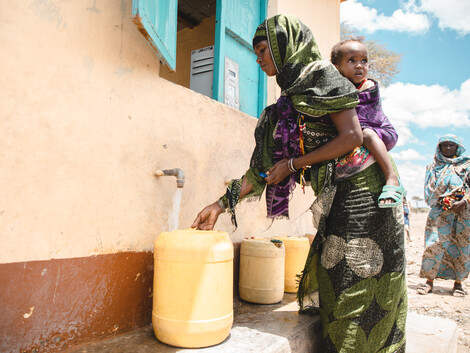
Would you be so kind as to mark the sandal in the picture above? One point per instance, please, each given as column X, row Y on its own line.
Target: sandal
column 396, row 193
column 424, row 289
column 458, row 291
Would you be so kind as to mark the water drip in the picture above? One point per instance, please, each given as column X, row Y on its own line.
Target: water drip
column 173, row 216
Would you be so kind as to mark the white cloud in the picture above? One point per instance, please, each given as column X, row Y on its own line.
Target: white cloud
column 424, row 106
column 413, row 17
column 408, row 106
column 368, row 20
column 408, row 155
column 453, row 14
column 412, row 178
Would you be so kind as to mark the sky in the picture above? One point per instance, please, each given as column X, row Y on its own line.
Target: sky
column 430, row 96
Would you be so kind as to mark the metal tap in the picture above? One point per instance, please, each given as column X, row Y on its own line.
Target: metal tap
column 178, row 173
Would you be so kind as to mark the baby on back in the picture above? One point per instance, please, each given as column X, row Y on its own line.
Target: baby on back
column 351, row 58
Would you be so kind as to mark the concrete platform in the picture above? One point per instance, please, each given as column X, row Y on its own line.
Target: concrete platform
column 430, row 334
column 276, row 328
column 279, row 328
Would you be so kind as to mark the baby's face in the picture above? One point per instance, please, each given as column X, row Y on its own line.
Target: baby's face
column 354, row 62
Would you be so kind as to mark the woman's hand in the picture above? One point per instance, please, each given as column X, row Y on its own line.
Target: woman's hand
column 278, row 172
column 457, row 206
column 207, row 218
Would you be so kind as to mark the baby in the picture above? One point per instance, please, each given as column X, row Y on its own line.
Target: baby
column 352, row 59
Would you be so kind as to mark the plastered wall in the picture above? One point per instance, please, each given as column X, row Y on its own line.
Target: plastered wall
column 321, row 16
column 86, row 119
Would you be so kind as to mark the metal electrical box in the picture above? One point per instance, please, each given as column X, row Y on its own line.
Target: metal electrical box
column 231, row 86
column 202, row 70
column 202, row 76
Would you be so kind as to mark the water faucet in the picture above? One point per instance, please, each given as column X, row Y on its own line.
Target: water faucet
column 178, row 173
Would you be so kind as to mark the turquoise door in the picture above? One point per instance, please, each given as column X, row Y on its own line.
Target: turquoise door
column 157, row 21
column 236, row 22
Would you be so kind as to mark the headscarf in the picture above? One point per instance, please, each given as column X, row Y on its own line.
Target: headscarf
column 444, row 174
column 260, row 34
column 440, row 160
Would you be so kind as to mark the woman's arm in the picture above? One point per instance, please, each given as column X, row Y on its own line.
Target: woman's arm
column 349, row 136
column 207, row 218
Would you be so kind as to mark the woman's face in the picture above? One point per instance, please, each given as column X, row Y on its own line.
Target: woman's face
column 263, row 58
column 448, row 149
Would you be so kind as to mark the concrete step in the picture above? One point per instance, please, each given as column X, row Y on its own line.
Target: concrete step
column 430, row 334
column 276, row 328
column 279, row 328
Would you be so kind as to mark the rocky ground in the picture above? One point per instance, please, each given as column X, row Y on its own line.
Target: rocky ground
column 440, row 303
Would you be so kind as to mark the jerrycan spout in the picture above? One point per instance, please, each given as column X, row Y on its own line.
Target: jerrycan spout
column 178, row 173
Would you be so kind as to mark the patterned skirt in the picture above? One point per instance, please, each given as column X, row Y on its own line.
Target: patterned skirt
column 357, row 264
column 447, row 240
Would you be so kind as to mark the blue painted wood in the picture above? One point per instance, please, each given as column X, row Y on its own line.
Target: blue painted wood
column 157, row 21
column 236, row 21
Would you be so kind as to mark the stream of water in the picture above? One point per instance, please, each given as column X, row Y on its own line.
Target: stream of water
column 173, row 216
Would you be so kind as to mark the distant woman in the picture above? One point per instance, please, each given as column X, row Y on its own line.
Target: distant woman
column 447, row 234
column 406, row 214
column 312, row 134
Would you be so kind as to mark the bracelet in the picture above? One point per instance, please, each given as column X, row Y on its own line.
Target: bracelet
column 290, row 165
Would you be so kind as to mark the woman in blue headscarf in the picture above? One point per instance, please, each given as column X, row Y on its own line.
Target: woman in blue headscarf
column 447, row 234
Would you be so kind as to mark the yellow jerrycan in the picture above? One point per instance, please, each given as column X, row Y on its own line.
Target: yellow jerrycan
column 193, row 288
column 297, row 249
column 261, row 278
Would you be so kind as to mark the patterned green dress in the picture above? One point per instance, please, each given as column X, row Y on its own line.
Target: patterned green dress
column 357, row 261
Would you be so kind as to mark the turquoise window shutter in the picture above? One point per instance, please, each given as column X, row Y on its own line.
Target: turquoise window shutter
column 157, row 21
column 236, row 23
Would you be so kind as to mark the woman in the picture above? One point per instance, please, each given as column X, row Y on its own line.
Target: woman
column 447, row 233
column 406, row 215
column 311, row 135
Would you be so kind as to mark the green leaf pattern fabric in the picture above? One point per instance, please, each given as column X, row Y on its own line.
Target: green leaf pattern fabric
column 360, row 270
column 355, row 300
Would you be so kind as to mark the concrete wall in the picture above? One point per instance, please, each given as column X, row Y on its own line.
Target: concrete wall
column 85, row 120
column 321, row 16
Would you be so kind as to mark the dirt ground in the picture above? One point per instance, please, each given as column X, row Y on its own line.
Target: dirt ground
column 440, row 302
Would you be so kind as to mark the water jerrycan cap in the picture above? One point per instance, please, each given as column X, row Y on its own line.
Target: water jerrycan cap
column 277, row 242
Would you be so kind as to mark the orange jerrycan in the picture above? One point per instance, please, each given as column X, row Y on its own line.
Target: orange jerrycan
column 193, row 288
column 297, row 249
column 261, row 271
